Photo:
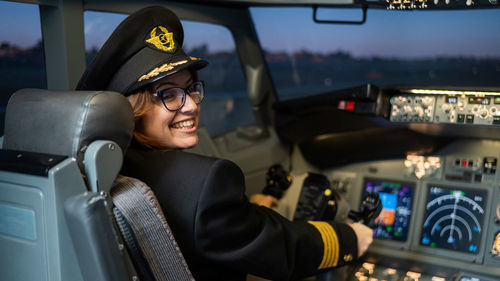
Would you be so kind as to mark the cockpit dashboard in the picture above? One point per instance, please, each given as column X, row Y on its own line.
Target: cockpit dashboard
column 432, row 156
column 441, row 212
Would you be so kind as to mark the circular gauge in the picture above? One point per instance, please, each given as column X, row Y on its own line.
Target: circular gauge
column 453, row 219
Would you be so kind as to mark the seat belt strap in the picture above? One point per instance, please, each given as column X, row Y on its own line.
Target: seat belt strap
column 141, row 209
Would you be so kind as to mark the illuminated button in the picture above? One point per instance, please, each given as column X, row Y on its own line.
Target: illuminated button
column 460, row 118
column 464, row 163
column 350, row 106
column 341, row 105
column 390, row 271
column 328, row 192
column 414, row 275
column 469, row 118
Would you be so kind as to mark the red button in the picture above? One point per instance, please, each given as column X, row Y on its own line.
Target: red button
column 350, row 106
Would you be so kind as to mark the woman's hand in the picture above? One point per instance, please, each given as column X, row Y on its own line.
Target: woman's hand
column 264, row 200
column 364, row 235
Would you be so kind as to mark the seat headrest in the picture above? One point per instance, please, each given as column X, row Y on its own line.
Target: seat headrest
column 66, row 122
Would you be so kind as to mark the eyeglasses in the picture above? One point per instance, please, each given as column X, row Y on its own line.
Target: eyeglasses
column 174, row 98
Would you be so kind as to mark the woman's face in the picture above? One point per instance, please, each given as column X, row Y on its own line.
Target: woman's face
column 173, row 129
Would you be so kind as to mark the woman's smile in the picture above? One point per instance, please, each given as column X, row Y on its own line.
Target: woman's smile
column 184, row 125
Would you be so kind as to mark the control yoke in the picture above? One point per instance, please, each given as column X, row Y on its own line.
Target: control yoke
column 369, row 210
column 277, row 181
column 320, row 201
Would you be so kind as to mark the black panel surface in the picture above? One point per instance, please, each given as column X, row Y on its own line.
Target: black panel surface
column 32, row 163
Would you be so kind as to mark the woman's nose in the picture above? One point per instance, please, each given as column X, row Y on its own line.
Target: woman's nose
column 189, row 104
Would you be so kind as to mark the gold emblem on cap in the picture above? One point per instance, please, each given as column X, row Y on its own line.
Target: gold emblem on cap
column 157, row 70
column 163, row 41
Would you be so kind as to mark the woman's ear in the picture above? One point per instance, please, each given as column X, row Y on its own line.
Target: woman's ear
column 133, row 99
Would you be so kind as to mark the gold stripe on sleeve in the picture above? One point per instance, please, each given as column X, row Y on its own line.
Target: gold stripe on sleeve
column 330, row 244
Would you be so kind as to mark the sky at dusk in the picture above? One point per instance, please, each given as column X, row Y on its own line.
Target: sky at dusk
column 387, row 33
column 99, row 25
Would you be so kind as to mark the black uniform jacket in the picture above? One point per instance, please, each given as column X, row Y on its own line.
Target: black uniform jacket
column 222, row 235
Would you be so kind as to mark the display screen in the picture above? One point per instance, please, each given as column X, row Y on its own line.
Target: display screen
column 451, row 99
column 453, row 218
column 394, row 219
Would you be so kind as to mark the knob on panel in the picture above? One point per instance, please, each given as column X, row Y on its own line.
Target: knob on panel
column 445, row 108
column 427, row 101
column 483, row 113
column 495, row 250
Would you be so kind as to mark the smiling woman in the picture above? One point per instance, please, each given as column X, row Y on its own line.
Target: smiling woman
column 217, row 227
column 226, row 105
column 176, row 126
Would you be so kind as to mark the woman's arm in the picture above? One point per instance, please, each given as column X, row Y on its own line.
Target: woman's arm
column 257, row 240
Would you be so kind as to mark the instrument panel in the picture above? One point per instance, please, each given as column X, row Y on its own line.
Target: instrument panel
column 440, row 218
column 444, row 106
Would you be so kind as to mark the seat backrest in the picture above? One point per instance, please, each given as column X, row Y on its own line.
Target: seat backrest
column 50, row 224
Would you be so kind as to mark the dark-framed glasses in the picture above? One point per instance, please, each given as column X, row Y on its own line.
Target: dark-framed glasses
column 174, row 98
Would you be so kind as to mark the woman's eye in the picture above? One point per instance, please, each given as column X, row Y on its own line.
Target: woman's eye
column 169, row 96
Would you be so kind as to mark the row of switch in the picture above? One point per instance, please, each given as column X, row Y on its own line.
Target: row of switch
column 464, row 163
column 469, row 118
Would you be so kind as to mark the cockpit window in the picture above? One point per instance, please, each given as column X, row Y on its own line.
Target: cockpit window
column 226, row 105
column 439, row 48
column 22, row 63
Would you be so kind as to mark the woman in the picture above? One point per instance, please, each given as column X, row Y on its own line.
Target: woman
column 221, row 234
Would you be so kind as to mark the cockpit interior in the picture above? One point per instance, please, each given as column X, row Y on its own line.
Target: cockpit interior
column 342, row 98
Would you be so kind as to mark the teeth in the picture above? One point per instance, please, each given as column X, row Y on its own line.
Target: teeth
column 183, row 124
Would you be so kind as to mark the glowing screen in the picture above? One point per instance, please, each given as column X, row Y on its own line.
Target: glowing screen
column 394, row 219
column 453, row 218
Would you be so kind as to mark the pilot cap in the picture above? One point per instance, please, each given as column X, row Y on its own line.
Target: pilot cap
column 145, row 47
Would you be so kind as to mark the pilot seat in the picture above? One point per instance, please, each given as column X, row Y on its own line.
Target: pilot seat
column 65, row 213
